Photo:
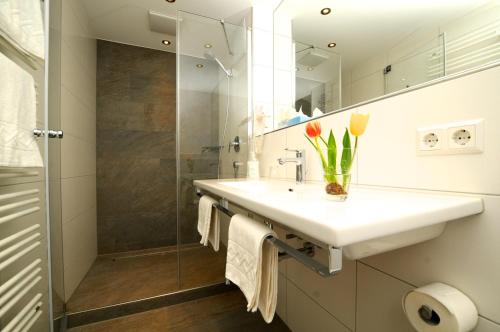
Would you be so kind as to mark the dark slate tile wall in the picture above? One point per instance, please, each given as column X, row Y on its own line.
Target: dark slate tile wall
column 136, row 175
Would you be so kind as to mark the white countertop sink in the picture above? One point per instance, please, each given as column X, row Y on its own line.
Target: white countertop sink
column 369, row 222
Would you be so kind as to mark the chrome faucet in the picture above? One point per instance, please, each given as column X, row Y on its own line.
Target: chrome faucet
column 300, row 164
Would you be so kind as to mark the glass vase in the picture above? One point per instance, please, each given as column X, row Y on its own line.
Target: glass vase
column 337, row 185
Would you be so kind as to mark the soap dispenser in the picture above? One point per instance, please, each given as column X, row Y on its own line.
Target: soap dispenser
column 253, row 167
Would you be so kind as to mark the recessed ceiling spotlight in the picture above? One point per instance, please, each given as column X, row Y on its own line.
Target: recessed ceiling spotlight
column 199, row 65
column 166, row 42
column 208, row 45
column 332, row 45
column 325, row 11
column 310, row 68
column 171, row 1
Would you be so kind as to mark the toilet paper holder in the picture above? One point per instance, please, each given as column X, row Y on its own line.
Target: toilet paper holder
column 428, row 315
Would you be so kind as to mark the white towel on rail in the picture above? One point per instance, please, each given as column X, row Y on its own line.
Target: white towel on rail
column 21, row 25
column 18, row 147
column 209, row 222
column 252, row 264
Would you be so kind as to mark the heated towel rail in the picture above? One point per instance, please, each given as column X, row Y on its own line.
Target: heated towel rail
column 21, row 250
column 334, row 254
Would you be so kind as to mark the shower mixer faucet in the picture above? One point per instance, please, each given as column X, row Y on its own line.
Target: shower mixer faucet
column 235, row 144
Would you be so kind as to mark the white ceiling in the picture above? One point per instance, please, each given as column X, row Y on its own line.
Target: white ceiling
column 365, row 28
column 126, row 21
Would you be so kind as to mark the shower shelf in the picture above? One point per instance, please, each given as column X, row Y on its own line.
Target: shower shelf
column 303, row 255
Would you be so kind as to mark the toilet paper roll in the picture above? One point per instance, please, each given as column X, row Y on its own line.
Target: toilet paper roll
column 440, row 308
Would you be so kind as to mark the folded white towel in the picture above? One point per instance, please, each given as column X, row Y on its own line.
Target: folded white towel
column 18, row 147
column 209, row 222
column 252, row 264
column 21, row 24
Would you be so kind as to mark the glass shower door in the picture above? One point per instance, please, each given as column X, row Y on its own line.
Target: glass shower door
column 211, row 112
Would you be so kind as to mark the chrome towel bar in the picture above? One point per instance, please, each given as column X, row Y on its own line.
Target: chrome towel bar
column 334, row 254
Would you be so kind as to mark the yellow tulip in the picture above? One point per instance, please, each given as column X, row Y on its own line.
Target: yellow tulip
column 358, row 123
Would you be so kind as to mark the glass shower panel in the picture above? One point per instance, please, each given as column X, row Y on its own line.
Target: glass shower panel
column 419, row 66
column 211, row 111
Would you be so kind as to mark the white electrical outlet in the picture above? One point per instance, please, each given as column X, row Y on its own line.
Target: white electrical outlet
column 465, row 136
column 430, row 140
column 451, row 138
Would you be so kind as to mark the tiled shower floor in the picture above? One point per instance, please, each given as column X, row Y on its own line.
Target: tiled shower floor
column 124, row 277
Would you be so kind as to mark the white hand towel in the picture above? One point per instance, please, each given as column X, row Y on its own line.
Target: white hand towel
column 252, row 264
column 18, row 147
column 208, row 222
column 21, row 25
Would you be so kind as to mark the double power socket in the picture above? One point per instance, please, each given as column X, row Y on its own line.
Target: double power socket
column 464, row 137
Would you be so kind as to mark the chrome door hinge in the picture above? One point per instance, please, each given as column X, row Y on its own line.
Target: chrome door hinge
column 51, row 133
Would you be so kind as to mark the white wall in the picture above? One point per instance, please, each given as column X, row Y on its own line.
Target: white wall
column 366, row 296
column 78, row 148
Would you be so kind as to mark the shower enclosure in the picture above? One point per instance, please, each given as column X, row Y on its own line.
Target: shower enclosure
column 211, row 112
column 162, row 120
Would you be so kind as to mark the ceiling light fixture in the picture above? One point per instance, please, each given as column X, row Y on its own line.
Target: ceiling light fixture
column 171, row 1
column 326, row 11
column 166, row 42
column 208, row 45
column 332, row 45
column 199, row 65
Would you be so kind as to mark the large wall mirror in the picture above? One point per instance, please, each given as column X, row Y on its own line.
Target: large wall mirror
column 333, row 54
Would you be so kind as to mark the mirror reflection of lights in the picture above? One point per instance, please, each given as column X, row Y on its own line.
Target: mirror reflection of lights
column 199, row 65
column 310, row 68
column 332, row 45
column 208, row 45
column 166, row 42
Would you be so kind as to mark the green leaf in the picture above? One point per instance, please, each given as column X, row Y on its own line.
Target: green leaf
column 332, row 152
column 323, row 140
column 346, row 160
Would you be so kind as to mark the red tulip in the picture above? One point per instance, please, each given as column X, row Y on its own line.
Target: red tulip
column 313, row 129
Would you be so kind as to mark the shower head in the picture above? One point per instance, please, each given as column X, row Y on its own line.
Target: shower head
column 210, row 56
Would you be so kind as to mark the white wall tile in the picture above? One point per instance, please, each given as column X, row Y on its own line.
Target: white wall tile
column 283, row 51
column 263, row 41
column 335, row 294
column 77, row 118
column 263, row 86
column 465, row 256
column 79, row 195
column 78, row 157
column 80, row 249
column 272, row 147
column 78, row 148
column 262, row 14
column 305, row 315
column 484, row 325
column 388, row 154
column 379, row 299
